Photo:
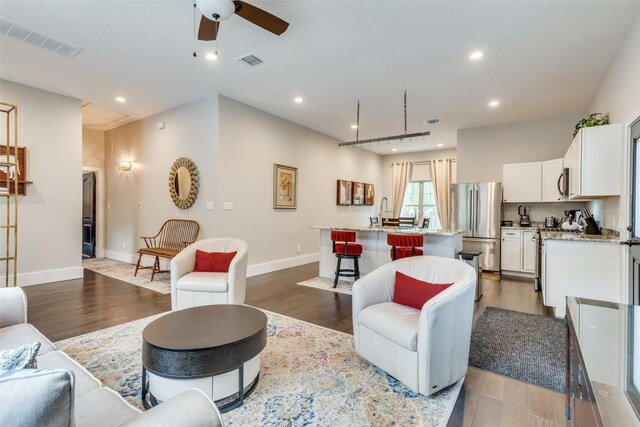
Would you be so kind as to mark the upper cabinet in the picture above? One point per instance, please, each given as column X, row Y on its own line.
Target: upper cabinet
column 522, row 182
column 551, row 181
column 593, row 160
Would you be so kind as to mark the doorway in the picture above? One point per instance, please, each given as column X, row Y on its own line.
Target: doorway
column 88, row 215
column 634, row 240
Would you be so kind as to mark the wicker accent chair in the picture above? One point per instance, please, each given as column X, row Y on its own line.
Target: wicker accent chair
column 174, row 236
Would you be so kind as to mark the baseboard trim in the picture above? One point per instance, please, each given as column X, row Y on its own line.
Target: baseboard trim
column 281, row 264
column 48, row 276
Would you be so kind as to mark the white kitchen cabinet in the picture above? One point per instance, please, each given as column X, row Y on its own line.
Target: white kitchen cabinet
column 593, row 160
column 551, row 171
column 522, row 182
column 581, row 269
column 528, row 252
column 511, row 250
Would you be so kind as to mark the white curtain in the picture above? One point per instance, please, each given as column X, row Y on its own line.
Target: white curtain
column 401, row 173
column 441, row 178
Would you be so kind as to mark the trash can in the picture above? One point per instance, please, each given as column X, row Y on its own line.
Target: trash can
column 473, row 259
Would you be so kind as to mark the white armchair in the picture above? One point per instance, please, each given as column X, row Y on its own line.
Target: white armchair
column 192, row 288
column 428, row 349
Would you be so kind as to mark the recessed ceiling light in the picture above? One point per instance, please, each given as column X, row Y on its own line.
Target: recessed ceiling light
column 440, row 145
column 494, row 103
column 120, row 99
column 212, row 56
column 476, row 55
column 298, row 100
column 354, row 126
column 394, row 149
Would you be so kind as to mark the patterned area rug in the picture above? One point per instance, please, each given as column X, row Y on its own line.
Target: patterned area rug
column 523, row 346
column 309, row 376
column 344, row 287
column 123, row 271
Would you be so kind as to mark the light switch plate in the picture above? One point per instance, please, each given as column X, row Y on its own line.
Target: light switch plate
column 209, row 206
column 228, row 206
column 160, row 125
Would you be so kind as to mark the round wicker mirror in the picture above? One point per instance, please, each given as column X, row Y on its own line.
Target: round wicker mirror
column 183, row 183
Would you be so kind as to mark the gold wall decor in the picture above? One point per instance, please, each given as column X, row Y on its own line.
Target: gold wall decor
column 183, row 183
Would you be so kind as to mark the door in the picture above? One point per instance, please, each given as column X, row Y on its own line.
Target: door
column 461, row 214
column 486, row 200
column 511, row 249
column 634, row 241
column 88, row 215
column 529, row 249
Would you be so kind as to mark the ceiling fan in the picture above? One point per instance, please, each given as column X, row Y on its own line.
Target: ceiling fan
column 216, row 11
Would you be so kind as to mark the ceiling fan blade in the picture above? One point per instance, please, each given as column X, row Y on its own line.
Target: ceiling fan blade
column 261, row 18
column 208, row 29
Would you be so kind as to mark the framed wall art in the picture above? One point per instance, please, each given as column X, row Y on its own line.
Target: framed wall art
column 369, row 194
column 344, row 192
column 358, row 193
column 285, row 187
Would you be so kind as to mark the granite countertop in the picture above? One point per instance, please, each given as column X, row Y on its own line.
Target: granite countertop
column 607, row 236
column 534, row 225
column 397, row 230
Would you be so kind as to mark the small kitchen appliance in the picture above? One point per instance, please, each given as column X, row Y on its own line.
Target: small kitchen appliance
column 524, row 221
column 569, row 221
column 550, row 222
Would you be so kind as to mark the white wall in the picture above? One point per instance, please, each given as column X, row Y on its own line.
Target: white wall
column 251, row 141
column 482, row 151
column 49, row 229
column 139, row 200
column 619, row 95
column 92, row 148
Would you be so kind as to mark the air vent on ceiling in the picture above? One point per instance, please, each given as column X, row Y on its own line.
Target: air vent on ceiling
column 251, row 60
column 432, row 121
column 25, row 34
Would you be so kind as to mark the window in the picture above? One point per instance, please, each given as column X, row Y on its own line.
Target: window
column 420, row 202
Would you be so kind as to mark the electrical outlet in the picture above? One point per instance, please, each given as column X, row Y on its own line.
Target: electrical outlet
column 299, row 248
column 124, row 245
column 228, row 206
column 209, row 206
column 621, row 223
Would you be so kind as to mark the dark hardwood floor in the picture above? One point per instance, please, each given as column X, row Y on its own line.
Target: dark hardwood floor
column 65, row 309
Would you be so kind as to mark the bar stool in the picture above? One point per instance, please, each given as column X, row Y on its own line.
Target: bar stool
column 405, row 245
column 344, row 246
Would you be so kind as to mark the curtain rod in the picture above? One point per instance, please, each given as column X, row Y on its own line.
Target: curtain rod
column 422, row 162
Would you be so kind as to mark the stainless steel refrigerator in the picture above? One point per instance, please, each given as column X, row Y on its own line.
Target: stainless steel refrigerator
column 475, row 208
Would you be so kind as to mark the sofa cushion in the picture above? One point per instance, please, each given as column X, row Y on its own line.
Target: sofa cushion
column 85, row 382
column 37, row 397
column 217, row 262
column 395, row 322
column 103, row 407
column 23, row 357
column 203, row 282
column 415, row 293
column 21, row 334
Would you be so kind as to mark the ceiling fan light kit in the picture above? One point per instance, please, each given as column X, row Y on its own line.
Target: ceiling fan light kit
column 217, row 10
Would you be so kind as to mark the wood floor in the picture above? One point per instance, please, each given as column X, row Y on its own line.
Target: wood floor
column 65, row 309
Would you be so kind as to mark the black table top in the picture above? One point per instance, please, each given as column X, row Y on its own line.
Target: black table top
column 205, row 327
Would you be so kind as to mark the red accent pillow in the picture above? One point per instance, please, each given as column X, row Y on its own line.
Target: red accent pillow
column 213, row 261
column 413, row 292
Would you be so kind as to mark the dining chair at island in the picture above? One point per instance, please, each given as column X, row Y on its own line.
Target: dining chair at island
column 405, row 245
column 425, row 222
column 373, row 220
column 390, row 222
column 345, row 247
column 406, row 222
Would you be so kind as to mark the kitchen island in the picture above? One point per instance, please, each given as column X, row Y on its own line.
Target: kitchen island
column 375, row 251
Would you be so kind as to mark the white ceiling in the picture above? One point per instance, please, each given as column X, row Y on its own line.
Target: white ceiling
column 541, row 59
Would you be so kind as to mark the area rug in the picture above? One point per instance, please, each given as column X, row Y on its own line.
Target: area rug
column 344, row 287
column 123, row 271
column 310, row 376
column 523, row 346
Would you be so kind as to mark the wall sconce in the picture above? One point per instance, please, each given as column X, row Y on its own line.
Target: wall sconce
column 125, row 166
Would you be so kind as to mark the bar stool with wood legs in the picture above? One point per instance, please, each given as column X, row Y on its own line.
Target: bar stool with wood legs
column 344, row 246
column 405, row 245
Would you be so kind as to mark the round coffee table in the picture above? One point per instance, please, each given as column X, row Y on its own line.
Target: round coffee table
column 215, row 348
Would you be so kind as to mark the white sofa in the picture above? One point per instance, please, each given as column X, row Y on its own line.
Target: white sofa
column 192, row 288
column 428, row 349
column 61, row 392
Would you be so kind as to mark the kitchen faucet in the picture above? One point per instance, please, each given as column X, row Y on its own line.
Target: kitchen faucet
column 386, row 205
